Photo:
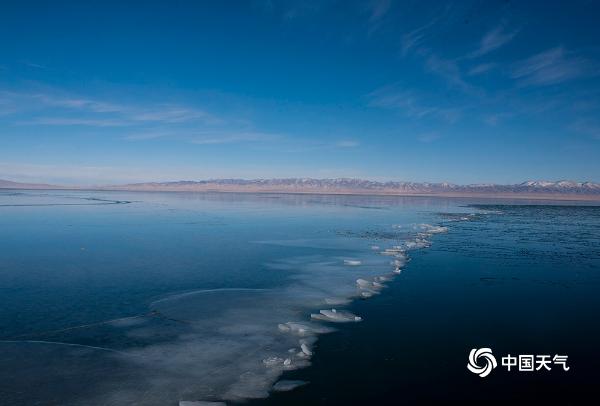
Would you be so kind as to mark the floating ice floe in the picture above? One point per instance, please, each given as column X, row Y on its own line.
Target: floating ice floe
column 336, row 316
column 273, row 361
column 278, row 362
column 434, row 229
column 367, row 288
column 305, row 349
column 301, row 329
column 375, row 247
column 383, row 278
column 399, row 262
column 417, row 243
column 487, row 212
column 365, row 284
column 352, row 262
column 287, row 385
column 295, row 328
column 365, row 294
column 395, row 251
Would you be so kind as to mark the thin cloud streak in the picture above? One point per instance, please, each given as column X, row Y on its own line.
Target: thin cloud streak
column 393, row 98
column 550, row 67
column 481, row 69
column 413, row 40
column 214, row 137
column 493, row 40
column 378, row 9
column 449, row 70
column 65, row 121
column 99, row 113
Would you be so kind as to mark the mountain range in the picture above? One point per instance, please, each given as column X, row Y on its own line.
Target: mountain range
column 530, row 189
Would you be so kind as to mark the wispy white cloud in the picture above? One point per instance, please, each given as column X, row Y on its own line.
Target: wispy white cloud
column 378, row 9
column 71, row 102
column 213, row 137
column 414, row 39
column 35, row 65
column 98, row 113
column 173, row 114
column 66, row 121
column 406, row 102
column 449, row 70
column 481, row 68
column 493, row 40
column 550, row 67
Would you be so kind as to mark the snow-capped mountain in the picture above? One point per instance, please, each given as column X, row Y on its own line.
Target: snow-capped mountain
column 352, row 185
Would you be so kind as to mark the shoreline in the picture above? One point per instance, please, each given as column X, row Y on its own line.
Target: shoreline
column 508, row 196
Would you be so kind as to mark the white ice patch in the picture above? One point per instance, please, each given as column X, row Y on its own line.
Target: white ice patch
column 399, row 262
column 302, row 329
column 288, row 385
column 336, row 316
column 395, row 251
column 417, row 243
column 368, row 285
column 234, row 344
column 430, row 229
column 305, row 349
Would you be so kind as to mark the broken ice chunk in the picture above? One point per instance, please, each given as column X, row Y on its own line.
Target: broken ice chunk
column 336, row 316
column 287, row 385
column 305, row 349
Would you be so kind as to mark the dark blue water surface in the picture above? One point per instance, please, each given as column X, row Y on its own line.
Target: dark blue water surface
column 156, row 298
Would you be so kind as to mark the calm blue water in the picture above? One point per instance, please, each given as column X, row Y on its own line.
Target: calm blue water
column 156, row 298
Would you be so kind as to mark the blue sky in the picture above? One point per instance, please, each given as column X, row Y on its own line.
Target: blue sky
column 465, row 92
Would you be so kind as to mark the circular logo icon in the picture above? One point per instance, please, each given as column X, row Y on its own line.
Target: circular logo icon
column 481, row 361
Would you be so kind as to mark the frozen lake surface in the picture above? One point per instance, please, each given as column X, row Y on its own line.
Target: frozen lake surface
column 115, row 298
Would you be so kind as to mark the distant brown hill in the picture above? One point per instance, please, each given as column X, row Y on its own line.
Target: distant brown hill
column 7, row 184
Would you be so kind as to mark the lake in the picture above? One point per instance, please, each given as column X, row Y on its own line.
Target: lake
column 116, row 298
